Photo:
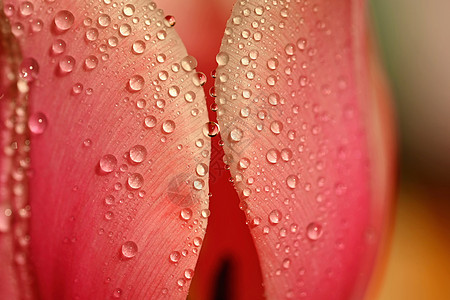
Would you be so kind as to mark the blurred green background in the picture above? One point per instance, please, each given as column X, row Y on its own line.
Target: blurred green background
column 414, row 42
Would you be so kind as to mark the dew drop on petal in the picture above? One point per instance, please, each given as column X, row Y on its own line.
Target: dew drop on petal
column 275, row 217
column 64, row 20
column 211, row 129
column 174, row 256
column 135, row 181
column 272, row 156
column 138, row 153
column 314, row 231
column 189, row 63
column 168, row 126
column 29, row 69
column 66, row 65
column 150, row 122
column 108, row 163
column 129, row 249
column 186, row 214
column 37, row 123
column 292, row 181
column 138, row 47
column 136, row 83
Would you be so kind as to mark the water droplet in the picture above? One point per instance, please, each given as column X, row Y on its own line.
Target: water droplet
column 91, row 62
column 199, row 184
column 189, row 63
column 289, row 49
column 26, row 9
column 189, row 97
column 129, row 249
column 272, row 156
column 292, row 181
column 108, row 163
column 64, row 20
column 222, row 58
column 37, row 123
column 276, row 127
column 301, row 44
column 136, row 83
column 186, row 214
column 128, row 10
column 104, row 20
column 138, row 47
column 66, row 65
column 175, row 256
column 199, row 79
column 168, row 126
column 125, row 30
column 286, row 263
column 37, row 25
column 244, row 163
column 275, row 217
column 29, row 69
column 174, row 91
column 169, row 21
column 201, row 169
column 314, row 231
column 188, row 274
column 77, row 88
column 286, row 154
column 135, row 181
column 92, row 34
column 117, row 293
column 58, row 47
column 236, row 135
column 274, row 99
column 138, row 154
column 197, row 241
column 150, row 122
column 211, row 129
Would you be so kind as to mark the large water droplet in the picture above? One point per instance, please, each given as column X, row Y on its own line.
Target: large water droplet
column 108, row 163
column 129, row 249
column 138, row 154
column 222, row 58
column 67, row 64
column 211, row 129
column 189, row 63
column 136, row 83
column 128, row 10
column 174, row 256
column 29, row 69
column 292, row 181
column 135, row 181
column 58, row 47
column 169, row 21
column 91, row 62
column 138, row 47
column 201, row 169
column 64, row 20
column 168, row 126
column 186, row 214
column 314, row 231
column 37, row 123
column 272, row 156
column 275, row 217
column 150, row 122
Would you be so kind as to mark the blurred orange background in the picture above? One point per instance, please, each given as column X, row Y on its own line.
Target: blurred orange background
column 414, row 41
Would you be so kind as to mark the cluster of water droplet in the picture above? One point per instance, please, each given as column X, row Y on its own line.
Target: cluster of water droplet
column 158, row 89
column 265, row 89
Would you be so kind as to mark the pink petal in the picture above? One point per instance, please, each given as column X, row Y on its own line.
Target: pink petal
column 306, row 152
column 116, row 200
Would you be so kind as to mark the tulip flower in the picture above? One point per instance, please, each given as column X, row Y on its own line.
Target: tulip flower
column 114, row 167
